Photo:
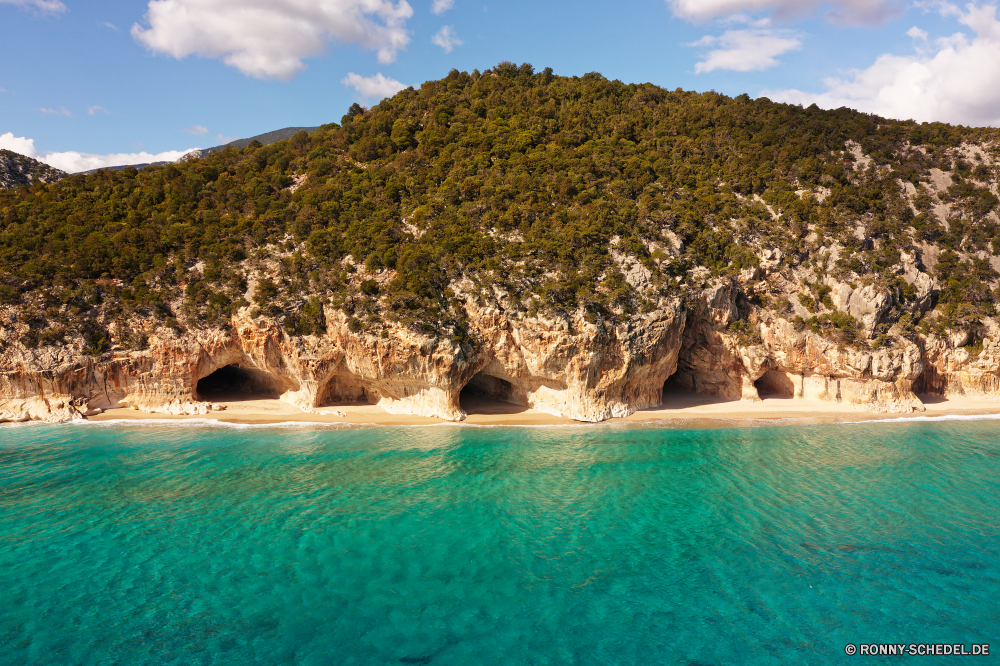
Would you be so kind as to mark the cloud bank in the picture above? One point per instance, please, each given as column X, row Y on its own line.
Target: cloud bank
column 269, row 39
column 955, row 79
column 373, row 87
column 74, row 162
column 852, row 12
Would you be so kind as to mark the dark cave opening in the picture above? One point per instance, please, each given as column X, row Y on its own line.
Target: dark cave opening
column 486, row 394
column 678, row 384
column 774, row 384
column 346, row 390
column 232, row 383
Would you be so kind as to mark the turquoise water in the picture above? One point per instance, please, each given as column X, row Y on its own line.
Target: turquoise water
column 456, row 545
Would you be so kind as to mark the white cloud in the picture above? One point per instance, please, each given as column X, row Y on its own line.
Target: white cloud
column 61, row 111
column 110, row 26
column 917, row 33
column 865, row 12
column 441, row 6
column 197, row 130
column 746, row 50
column 373, row 87
column 94, row 110
column 270, row 38
column 956, row 81
column 74, row 162
column 447, row 39
column 18, row 144
column 44, row 6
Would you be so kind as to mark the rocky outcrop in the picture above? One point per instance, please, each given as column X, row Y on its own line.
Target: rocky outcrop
column 587, row 370
column 809, row 366
column 17, row 170
column 575, row 368
column 785, row 361
column 953, row 370
column 582, row 370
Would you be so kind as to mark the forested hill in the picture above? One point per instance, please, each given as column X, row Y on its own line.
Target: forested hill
column 543, row 192
column 17, row 170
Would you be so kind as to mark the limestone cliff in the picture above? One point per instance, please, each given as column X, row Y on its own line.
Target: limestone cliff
column 573, row 368
column 588, row 371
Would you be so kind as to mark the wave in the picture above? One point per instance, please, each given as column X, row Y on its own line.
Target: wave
column 212, row 423
column 693, row 422
column 930, row 419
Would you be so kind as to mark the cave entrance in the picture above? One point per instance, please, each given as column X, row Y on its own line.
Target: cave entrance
column 233, row 384
column 486, row 394
column 683, row 390
column 346, row 389
column 677, row 384
column 774, row 384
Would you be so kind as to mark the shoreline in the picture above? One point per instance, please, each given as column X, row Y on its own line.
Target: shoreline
column 679, row 410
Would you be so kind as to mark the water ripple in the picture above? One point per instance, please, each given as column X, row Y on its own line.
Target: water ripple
column 209, row 545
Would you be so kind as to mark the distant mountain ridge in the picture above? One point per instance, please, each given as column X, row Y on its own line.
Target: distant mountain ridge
column 17, row 170
column 265, row 139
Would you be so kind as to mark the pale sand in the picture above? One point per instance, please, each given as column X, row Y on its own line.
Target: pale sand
column 681, row 409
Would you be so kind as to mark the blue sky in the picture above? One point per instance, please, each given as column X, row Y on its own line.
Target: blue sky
column 85, row 84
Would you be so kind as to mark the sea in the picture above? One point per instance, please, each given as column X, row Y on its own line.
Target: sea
column 195, row 543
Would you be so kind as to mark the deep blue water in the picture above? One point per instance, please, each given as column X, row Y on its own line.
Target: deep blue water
column 457, row 545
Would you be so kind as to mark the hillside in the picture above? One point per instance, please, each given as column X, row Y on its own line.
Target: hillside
column 17, row 170
column 569, row 243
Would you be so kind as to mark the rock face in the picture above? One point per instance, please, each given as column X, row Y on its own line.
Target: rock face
column 585, row 370
column 17, row 170
column 573, row 368
column 789, row 362
column 958, row 371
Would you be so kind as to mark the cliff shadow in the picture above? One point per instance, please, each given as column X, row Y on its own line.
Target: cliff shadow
column 486, row 394
column 232, row 383
column 687, row 388
column 931, row 386
column 346, row 389
column 774, row 384
column 678, row 397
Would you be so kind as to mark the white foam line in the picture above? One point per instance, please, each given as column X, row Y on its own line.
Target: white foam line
column 17, row 424
column 459, row 424
column 672, row 424
column 932, row 419
column 212, row 423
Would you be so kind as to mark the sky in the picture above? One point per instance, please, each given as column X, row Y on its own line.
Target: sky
column 85, row 84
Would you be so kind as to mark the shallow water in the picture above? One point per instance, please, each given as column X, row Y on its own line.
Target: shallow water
column 265, row 545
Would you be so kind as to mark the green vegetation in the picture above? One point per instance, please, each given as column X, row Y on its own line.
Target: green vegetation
column 836, row 325
column 521, row 183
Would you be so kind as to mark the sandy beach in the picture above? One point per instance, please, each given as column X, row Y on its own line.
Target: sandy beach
column 678, row 410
